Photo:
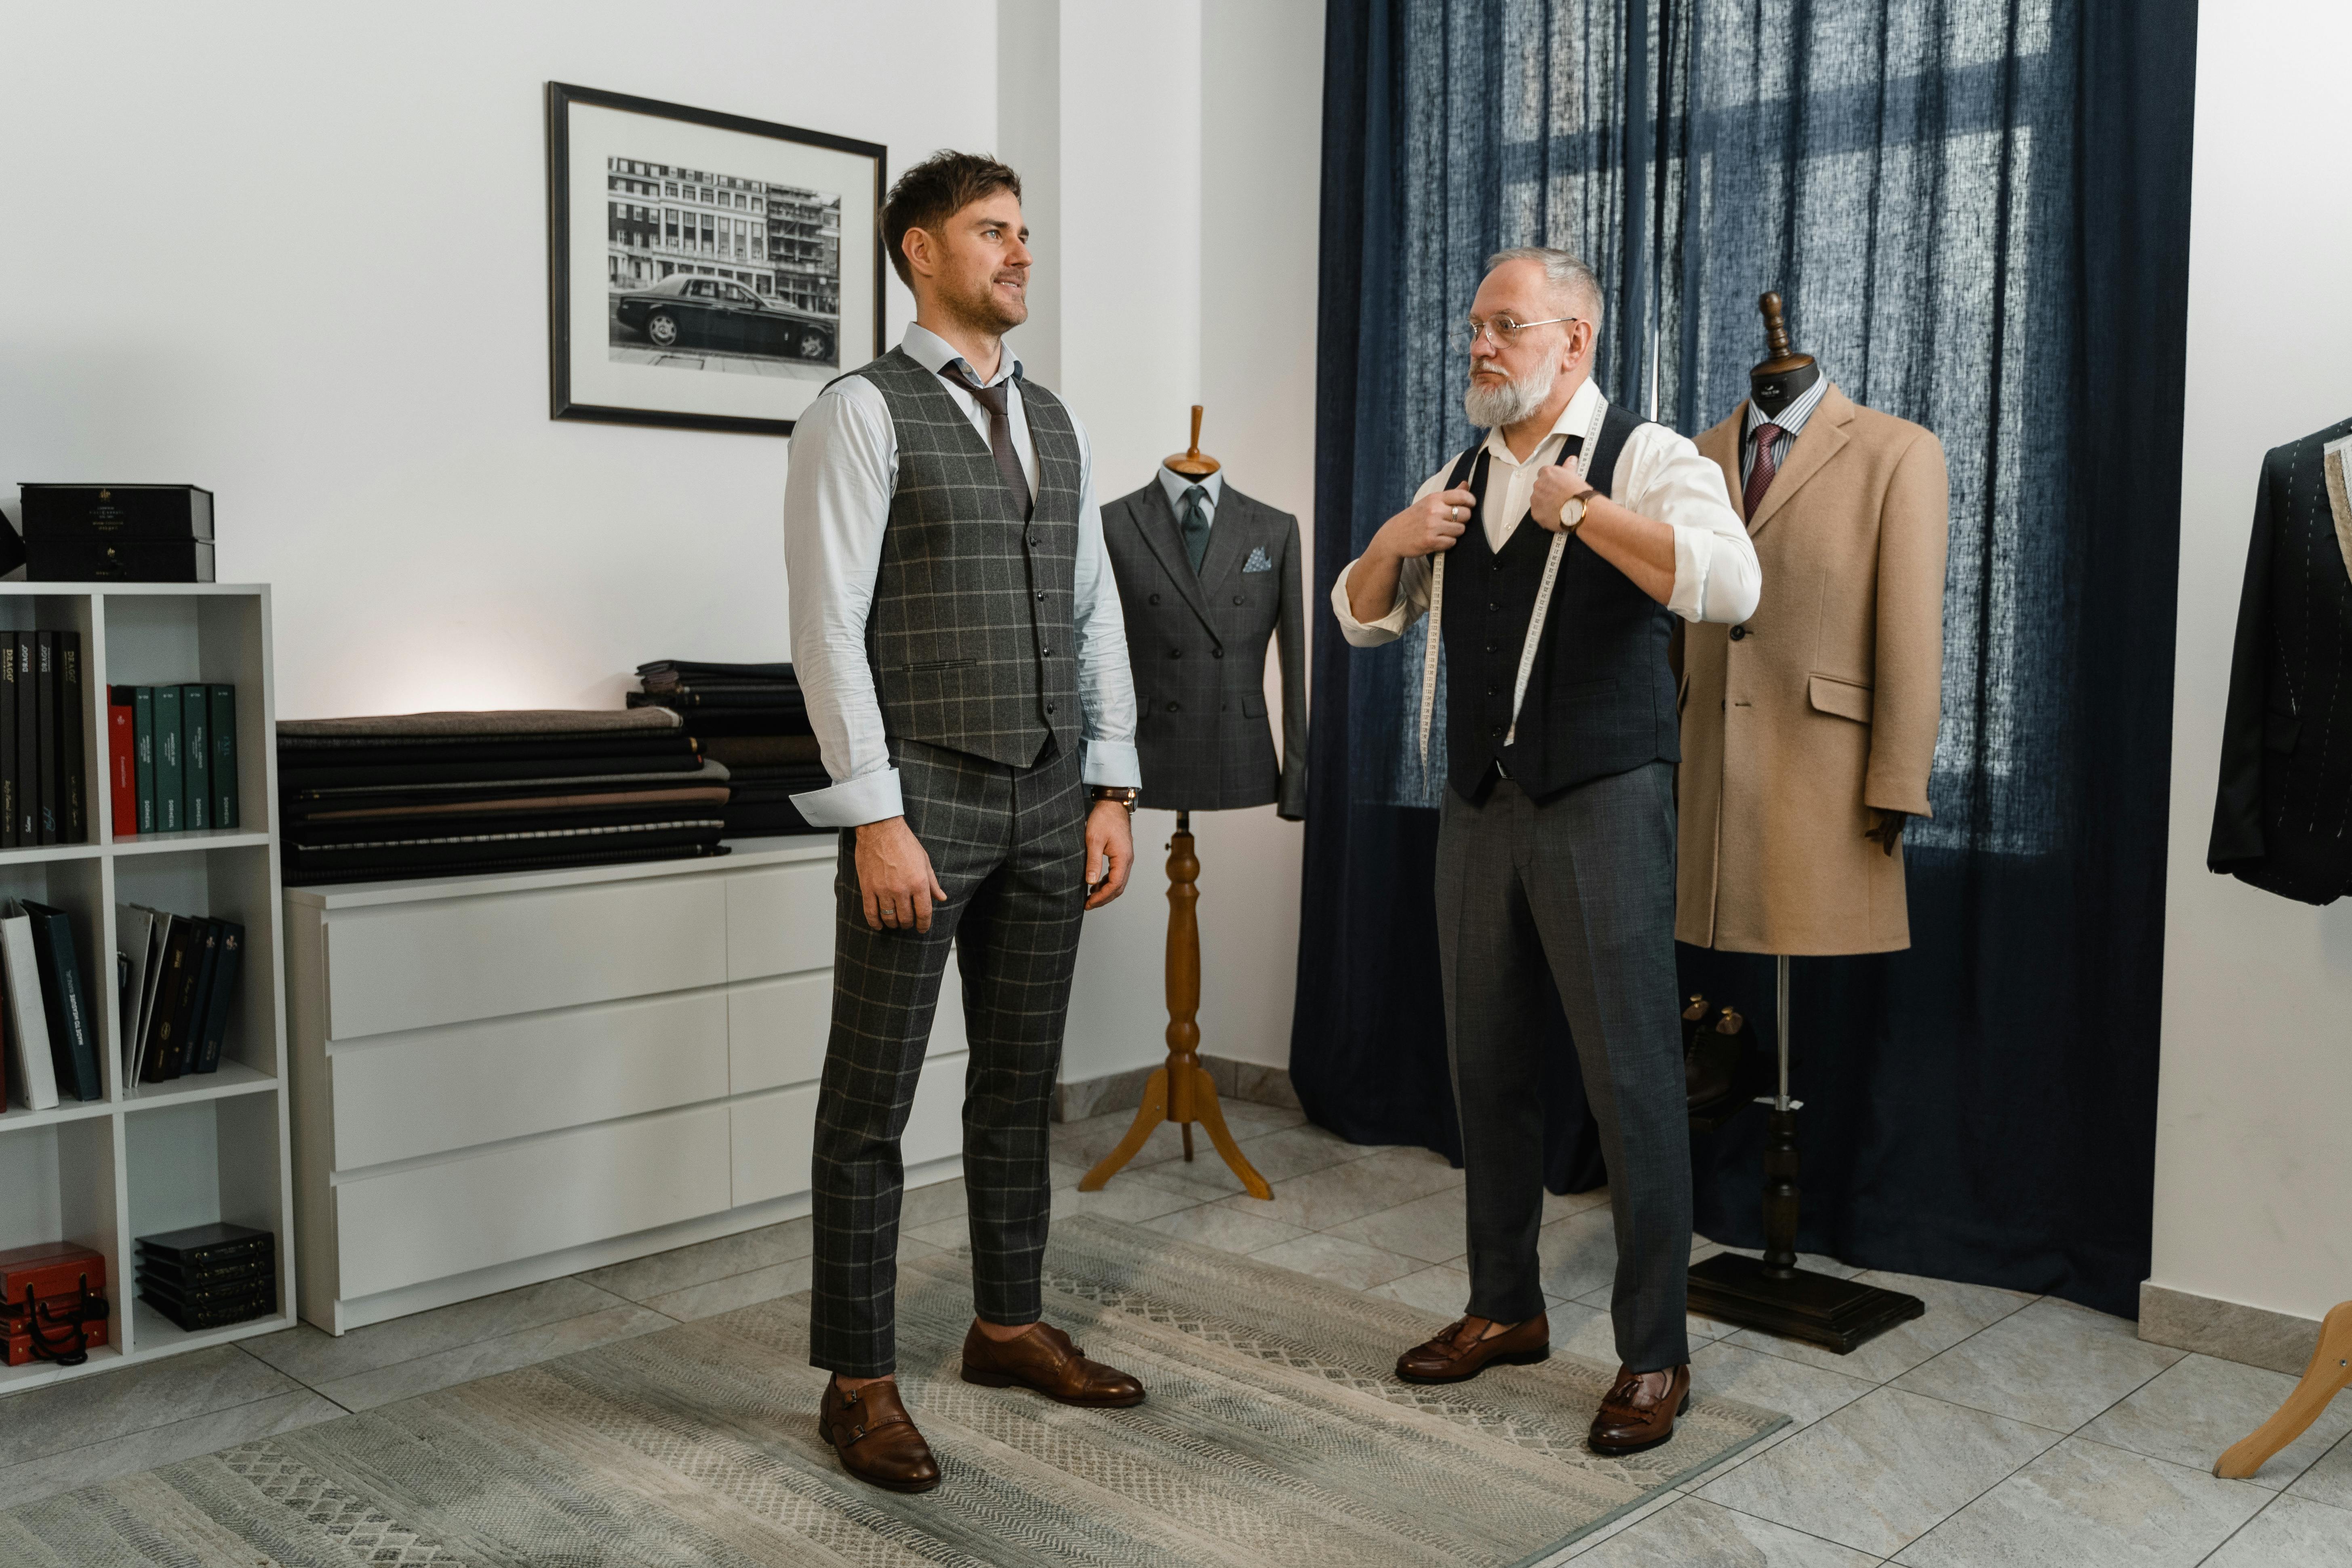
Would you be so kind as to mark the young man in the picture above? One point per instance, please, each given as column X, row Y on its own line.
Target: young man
column 1556, row 844
column 958, row 635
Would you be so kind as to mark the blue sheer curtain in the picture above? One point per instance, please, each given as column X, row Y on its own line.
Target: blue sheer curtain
column 1976, row 210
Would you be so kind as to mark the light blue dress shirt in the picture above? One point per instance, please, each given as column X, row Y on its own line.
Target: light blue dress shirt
column 1791, row 421
column 845, row 469
column 1176, row 484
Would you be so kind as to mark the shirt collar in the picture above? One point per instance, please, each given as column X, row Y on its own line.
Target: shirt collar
column 935, row 353
column 1791, row 419
column 1574, row 420
column 1176, row 484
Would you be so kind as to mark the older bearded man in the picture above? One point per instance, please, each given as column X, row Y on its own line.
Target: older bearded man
column 1556, row 848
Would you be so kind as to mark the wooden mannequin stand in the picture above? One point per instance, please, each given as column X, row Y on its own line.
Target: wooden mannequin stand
column 1772, row 1293
column 1181, row 1092
column 2329, row 1374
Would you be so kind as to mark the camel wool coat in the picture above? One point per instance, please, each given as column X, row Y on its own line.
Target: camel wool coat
column 1823, row 703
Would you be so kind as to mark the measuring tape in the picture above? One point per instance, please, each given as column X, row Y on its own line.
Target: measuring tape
column 1535, row 619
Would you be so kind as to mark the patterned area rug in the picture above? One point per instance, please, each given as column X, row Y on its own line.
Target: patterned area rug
column 1275, row 1434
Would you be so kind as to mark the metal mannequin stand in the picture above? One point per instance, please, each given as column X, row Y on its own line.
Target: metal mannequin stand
column 1772, row 1293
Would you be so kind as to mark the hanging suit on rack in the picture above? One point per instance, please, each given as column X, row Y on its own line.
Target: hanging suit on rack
column 2283, row 819
column 1821, row 708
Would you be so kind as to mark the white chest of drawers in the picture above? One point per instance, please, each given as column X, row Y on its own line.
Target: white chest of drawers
column 500, row 1079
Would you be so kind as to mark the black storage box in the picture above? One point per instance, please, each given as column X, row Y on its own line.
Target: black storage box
column 179, row 512
column 91, row 559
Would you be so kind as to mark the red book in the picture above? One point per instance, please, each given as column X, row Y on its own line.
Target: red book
column 121, row 763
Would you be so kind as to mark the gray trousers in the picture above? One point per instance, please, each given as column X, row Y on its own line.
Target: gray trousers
column 1583, row 886
column 1009, row 846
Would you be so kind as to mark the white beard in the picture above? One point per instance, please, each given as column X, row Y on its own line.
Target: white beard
column 1491, row 408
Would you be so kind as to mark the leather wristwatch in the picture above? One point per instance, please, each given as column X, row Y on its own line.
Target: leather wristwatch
column 1572, row 513
column 1124, row 793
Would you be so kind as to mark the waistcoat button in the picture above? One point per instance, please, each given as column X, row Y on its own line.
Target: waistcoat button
column 1175, row 653
column 1217, row 653
column 1041, row 598
column 1155, row 598
column 1237, row 599
column 1175, row 708
column 1049, row 708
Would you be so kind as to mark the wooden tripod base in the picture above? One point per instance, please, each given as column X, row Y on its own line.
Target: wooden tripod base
column 1181, row 1092
column 1154, row 1110
column 2329, row 1374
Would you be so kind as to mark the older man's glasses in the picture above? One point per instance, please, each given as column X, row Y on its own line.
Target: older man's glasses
column 1504, row 329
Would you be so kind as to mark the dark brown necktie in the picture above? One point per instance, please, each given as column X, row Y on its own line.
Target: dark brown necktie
column 1000, row 431
column 1760, row 476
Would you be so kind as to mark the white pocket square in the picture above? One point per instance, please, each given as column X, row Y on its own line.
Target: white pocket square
column 1258, row 561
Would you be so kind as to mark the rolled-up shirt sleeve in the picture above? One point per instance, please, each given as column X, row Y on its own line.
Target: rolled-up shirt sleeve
column 1411, row 593
column 836, row 506
column 1107, row 753
column 1664, row 477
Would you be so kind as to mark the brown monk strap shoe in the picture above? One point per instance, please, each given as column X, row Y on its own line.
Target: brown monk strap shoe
column 1459, row 1354
column 875, row 1438
column 1638, row 1412
column 1044, row 1360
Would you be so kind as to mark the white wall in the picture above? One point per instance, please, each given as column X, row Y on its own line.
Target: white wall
column 297, row 253
column 2254, row 1125
column 1189, row 146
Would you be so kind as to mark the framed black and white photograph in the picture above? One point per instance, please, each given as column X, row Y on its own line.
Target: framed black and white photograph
column 705, row 270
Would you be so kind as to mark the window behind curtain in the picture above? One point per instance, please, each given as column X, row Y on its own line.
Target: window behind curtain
column 1899, row 171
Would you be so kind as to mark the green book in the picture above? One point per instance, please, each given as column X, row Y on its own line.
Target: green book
column 224, row 720
column 171, row 787
column 142, row 750
column 195, row 760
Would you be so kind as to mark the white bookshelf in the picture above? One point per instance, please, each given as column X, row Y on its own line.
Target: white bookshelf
column 157, row 1157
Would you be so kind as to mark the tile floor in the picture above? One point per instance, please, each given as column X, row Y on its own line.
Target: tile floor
column 1998, row 1429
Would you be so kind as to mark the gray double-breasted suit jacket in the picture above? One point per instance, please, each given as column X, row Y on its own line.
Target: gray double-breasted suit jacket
column 1197, row 647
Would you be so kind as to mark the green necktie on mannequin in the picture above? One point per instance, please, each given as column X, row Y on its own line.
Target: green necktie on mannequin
column 1196, row 526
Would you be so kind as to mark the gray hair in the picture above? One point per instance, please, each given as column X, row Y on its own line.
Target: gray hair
column 1575, row 285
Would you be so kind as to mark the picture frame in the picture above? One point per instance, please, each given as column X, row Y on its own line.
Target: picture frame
column 739, row 269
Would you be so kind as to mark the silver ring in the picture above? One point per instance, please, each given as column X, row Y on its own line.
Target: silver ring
column 1454, row 514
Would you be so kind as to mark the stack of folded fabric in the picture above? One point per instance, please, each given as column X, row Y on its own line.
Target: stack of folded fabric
column 752, row 718
column 432, row 795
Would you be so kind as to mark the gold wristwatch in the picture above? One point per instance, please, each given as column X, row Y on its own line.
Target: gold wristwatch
column 1572, row 513
column 1124, row 793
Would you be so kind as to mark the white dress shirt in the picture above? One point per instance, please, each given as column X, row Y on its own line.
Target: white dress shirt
column 1176, row 484
column 844, row 470
column 1792, row 423
column 1660, row 476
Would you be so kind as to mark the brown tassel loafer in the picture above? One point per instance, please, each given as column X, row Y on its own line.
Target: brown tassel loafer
column 1044, row 1360
column 1635, row 1413
column 1458, row 1354
column 875, row 1438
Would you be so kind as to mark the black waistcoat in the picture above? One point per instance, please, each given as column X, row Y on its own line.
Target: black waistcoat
column 1601, row 699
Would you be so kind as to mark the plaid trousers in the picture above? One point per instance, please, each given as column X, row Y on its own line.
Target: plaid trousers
column 1009, row 846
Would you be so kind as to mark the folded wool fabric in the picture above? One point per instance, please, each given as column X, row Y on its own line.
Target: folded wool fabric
column 367, row 792
column 493, row 722
column 692, row 670
column 705, row 724
column 361, row 751
column 765, row 750
column 593, row 800
column 293, row 779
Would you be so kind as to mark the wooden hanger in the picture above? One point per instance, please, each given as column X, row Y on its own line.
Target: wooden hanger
column 1192, row 462
column 1786, row 375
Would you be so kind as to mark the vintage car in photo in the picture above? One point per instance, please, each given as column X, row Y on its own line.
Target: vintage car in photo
column 719, row 313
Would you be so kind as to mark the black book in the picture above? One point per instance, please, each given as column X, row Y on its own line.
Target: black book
column 73, row 1043
column 204, row 1244
column 207, row 1040
column 175, row 990
column 73, row 770
column 116, row 511
column 196, row 1320
column 172, row 1275
column 8, row 832
column 44, row 697
column 29, row 742
column 200, row 1005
